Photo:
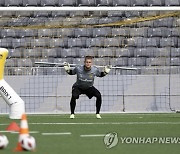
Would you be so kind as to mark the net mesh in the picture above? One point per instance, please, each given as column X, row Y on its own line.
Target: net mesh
column 147, row 40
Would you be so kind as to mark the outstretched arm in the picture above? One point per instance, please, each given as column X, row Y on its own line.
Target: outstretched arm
column 105, row 72
column 68, row 69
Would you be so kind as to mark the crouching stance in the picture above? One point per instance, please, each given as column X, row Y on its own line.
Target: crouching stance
column 84, row 83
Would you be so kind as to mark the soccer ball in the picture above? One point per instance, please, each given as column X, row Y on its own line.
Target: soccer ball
column 28, row 143
column 3, row 141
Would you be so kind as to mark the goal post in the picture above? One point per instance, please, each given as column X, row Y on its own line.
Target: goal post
column 144, row 39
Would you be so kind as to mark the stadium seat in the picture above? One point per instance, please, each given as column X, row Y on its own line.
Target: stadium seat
column 105, row 20
column 52, row 52
column 138, row 61
column 159, row 32
column 104, row 2
column 34, row 52
column 151, row 42
column 78, row 61
column 18, row 71
column 160, row 61
column 175, row 61
column 41, row 14
column 78, row 13
column 26, row 62
column 15, row 53
column 7, row 33
column 13, row 3
column 94, row 42
column 49, row 2
column 162, row 52
column 124, row 52
column 58, row 42
column 144, row 52
column 60, row 13
column 6, row 43
column 121, row 3
column 40, row 42
column 70, row 52
column 115, row 13
column 120, row 32
column 139, row 2
column 168, row 42
column 67, row 3
column 105, row 52
column 77, row 42
column 174, row 31
column 172, row 3
column 45, row 32
column 87, row 51
column 85, row 2
column 164, row 22
column 62, row 60
column 2, row 2
column 11, row 62
column 98, row 32
column 135, row 32
column 86, row 32
column 16, row 43
column 7, row 13
column 27, row 33
column 155, row 2
column 23, row 13
column 89, row 21
column 175, row 52
column 31, row 2
column 112, row 42
column 72, row 21
column 100, row 61
column 123, row 61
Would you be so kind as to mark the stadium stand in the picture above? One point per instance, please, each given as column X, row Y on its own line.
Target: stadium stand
column 79, row 3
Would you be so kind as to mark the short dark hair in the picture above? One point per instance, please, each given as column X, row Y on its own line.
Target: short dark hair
column 88, row 57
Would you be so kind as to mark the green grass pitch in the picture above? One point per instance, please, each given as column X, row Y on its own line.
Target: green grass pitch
column 125, row 125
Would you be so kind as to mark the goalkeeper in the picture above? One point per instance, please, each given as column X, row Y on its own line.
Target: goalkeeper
column 84, row 84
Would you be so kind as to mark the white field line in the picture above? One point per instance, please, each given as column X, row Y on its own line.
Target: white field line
column 65, row 133
column 31, row 132
column 104, row 123
column 111, row 123
column 93, row 135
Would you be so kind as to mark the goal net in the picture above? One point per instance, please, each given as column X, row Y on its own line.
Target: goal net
column 146, row 40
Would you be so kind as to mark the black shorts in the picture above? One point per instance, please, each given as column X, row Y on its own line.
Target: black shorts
column 90, row 92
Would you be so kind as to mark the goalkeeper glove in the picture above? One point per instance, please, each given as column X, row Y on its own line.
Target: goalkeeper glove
column 66, row 66
column 107, row 69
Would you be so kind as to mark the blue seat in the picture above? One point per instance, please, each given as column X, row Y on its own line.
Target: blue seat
column 67, row 3
column 95, row 42
column 172, row 3
column 86, row 32
column 124, row 52
column 158, row 61
column 175, row 52
column 112, row 42
column 40, row 42
column 85, row 2
column 77, row 42
column 26, row 62
column 31, row 2
column 13, row 3
column 121, row 61
column 2, row 2
column 11, row 62
column 49, row 2
column 69, row 52
column 87, row 52
column 168, row 42
column 15, row 53
column 120, row 32
column 121, row 3
column 156, row 3
column 104, row 2
column 7, row 33
column 33, row 52
column 142, row 32
column 98, row 32
column 138, row 61
column 175, row 61
column 52, row 52
column 139, row 2
column 105, row 52
column 16, row 43
column 58, row 42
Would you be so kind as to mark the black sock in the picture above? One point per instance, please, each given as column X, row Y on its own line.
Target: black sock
column 98, row 104
column 72, row 105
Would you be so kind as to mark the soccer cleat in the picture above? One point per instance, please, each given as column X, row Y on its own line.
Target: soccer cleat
column 72, row 116
column 98, row 116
